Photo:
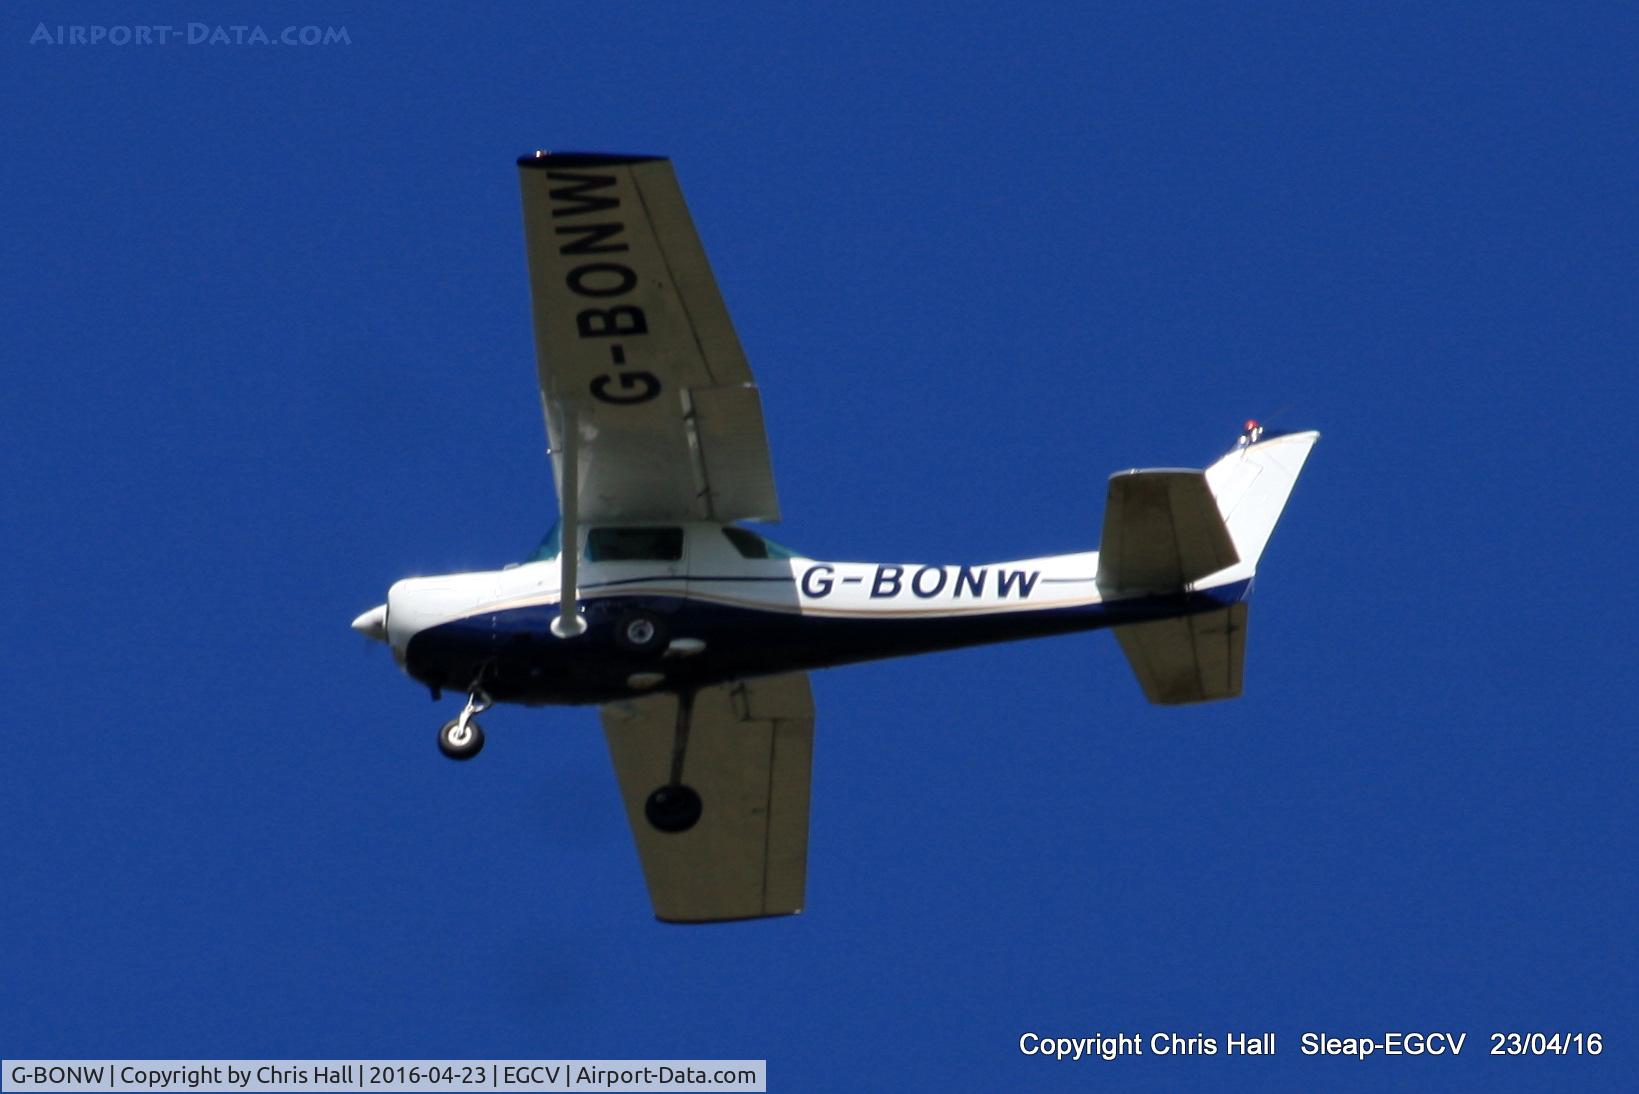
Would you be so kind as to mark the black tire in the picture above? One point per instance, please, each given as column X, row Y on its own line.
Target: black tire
column 640, row 633
column 673, row 808
column 450, row 745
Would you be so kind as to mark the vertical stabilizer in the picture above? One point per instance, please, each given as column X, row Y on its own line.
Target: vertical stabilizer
column 1251, row 485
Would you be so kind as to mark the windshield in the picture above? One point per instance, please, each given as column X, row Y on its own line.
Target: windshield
column 550, row 545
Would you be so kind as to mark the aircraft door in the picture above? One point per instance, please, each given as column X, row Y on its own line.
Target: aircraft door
column 635, row 575
column 736, row 565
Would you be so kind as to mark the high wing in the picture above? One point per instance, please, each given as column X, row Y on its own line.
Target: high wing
column 748, row 754
column 635, row 349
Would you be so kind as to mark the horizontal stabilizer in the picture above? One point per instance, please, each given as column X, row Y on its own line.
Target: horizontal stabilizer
column 1162, row 530
column 1188, row 659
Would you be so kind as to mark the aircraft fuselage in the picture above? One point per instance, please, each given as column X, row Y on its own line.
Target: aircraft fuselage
column 711, row 616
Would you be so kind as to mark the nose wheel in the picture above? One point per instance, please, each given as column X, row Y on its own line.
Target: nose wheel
column 462, row 738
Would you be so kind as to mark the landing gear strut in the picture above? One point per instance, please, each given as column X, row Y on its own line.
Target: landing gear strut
column 676, row 807
column 462, row 737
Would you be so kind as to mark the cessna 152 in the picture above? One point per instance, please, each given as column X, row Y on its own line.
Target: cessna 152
column 696, row 635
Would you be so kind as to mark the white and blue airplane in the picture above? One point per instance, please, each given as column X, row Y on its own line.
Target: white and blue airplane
column 696, row 635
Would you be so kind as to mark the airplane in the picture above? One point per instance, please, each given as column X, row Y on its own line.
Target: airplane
column 694, row 634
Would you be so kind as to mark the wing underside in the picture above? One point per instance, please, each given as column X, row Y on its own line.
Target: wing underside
column 634, row 346
column 746, row 754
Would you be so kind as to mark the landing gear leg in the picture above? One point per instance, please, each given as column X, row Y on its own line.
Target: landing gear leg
column 462, row 738
column 676, row 807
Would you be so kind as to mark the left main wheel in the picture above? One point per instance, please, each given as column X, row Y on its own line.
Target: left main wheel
column 673, row 808
column 458, row 743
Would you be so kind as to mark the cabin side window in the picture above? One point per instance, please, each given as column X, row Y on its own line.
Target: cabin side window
column 751, row 545
column 634, row 545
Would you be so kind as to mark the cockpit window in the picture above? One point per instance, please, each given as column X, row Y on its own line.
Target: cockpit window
column 551, row 545
column 634, row 545
column 751, row 545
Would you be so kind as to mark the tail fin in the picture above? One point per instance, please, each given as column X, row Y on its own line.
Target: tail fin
column 1251, row 486
column 1161, row 536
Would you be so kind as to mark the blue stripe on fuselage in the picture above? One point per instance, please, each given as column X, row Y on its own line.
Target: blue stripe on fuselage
column 520, row 661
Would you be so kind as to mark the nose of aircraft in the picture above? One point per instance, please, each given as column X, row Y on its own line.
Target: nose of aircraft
column 373, row 623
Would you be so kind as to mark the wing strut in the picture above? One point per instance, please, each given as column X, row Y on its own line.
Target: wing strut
column 570, row 621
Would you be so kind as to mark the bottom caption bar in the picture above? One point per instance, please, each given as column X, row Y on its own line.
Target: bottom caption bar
column 336, row 1075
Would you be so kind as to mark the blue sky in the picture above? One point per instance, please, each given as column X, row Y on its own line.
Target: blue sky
column 268, row 349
